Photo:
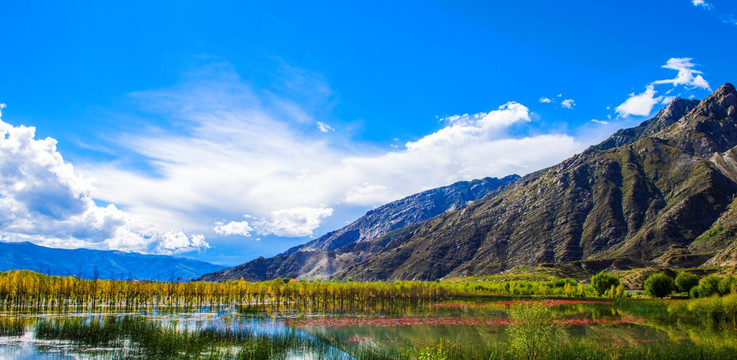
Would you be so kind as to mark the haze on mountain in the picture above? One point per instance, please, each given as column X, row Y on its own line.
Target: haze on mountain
column 333, row 252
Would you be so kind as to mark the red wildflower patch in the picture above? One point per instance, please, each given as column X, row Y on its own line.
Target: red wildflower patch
column 438, row 321
column 547, row 302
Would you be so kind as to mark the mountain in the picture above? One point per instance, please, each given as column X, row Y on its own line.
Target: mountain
column 662, row 193
column 333, row 252
column 109, row 264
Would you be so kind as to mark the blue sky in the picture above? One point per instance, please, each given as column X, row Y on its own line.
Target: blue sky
column 225, row 131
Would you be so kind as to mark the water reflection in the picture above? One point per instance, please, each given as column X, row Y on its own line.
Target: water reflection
column 238, row 333
column 153, row 334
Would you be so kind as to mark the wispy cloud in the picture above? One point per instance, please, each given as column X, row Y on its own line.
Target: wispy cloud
column 687, row 75
column 545, row 100
column 723, row 17
column 702, row 3
column 643, row 103
column 324, row 127
column 238, row 155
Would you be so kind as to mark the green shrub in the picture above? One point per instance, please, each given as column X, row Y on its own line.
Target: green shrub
column 686, row 281
column 709, row 286
column 695, row 292
column 727, row 284
column 659, row 285
column 533, row 334
column 604, row 281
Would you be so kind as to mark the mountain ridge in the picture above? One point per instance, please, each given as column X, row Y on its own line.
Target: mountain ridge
column 333, row 252
column 626, row 202
column 108, row 264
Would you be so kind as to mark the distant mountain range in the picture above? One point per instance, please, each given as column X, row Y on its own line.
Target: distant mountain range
column 108, row 264
column 659, row 194
column 334, row 252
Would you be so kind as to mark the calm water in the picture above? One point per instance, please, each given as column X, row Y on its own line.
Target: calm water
column 228, row 333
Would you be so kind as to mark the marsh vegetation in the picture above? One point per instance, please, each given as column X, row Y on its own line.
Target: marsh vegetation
column 518, row 318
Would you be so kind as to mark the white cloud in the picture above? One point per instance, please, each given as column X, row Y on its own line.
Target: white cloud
column 687, row 76
column 241, row 155
column 639, row 104
column 600, row 122
column 567, row 103
column 724, row 17
column 642, row 104
column 45, row 201
column 324, row 127
column 233, row 228
column 701, row 3
column 294, row 222
column 366, row 194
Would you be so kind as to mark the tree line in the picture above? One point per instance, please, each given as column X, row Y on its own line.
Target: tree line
column 27, row 289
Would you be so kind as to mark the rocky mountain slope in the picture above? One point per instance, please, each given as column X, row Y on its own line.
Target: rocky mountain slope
column 660, row 193
column 109, row 264
column 334, row 252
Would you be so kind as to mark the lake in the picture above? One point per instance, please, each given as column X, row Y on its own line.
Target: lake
column 469, row 326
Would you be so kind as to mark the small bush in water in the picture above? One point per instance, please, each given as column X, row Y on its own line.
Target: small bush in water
column 533, row 334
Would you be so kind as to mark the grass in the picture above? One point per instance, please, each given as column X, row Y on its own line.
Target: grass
column 11, row 326
column 709, row 312
column 155, row 341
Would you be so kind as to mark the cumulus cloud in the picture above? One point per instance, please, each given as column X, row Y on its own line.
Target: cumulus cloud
column 639, row 104
column 567, row 103
column 45, row 201
column 506, row 115
column 241, row 155
column 296, row 222
column 642, row 104
column 233, row 228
